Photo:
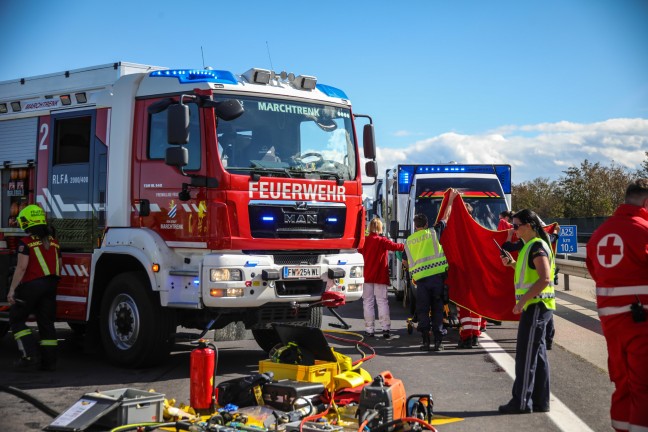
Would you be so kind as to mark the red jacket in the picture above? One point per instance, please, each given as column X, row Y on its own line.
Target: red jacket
column 375, row 258
column 617, row 259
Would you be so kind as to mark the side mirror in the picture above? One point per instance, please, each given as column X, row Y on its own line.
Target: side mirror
column 393, row 229
column 178, row 124
column 369, row 142
column 177, row 157
column 226, row 110
column 371, row 169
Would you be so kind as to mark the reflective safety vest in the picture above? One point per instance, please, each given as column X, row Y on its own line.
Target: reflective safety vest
column 526, row 276
column 42, row 262
column 425, row 254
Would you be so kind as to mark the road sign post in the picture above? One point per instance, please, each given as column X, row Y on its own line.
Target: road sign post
column 567, row 244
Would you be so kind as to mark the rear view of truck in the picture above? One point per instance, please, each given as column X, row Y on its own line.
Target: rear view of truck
column 412, row 189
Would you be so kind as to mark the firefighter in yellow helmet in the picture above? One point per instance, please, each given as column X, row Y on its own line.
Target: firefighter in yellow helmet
column 33, row 290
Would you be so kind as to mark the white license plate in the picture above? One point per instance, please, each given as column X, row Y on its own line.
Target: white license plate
column 301, row 272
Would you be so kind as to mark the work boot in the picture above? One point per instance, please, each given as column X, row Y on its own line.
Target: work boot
column 464, row 344
column 474, row 341
column 26, row 363
column 426, row 341
column 437, row 346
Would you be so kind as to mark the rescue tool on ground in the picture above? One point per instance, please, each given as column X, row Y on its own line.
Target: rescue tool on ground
column 186, row 197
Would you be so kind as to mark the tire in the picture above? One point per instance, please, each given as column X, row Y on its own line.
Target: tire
column 135, row 330
column 268, row 338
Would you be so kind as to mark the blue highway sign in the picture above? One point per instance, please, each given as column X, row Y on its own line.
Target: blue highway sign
column 568, row 240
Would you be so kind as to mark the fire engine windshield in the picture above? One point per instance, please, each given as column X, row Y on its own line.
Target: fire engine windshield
column 485, row 196
column 289, row 139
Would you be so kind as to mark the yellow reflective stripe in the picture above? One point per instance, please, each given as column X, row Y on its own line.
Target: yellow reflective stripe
column 41, row 261
column 22, row 333
column 49, row 342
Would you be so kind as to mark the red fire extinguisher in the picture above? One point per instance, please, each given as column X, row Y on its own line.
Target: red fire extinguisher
column 202, row 376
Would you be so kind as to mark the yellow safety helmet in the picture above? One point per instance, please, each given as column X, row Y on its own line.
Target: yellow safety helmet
column 30, row 216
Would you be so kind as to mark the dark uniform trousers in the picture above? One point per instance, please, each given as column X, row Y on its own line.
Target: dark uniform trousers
column 531, row 386
column 429, row 293
column 38, row 297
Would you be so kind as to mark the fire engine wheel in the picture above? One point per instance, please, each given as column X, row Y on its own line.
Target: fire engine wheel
column 268, row 338
column 135, row 330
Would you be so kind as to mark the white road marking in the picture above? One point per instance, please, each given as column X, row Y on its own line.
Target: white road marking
column 560, row 415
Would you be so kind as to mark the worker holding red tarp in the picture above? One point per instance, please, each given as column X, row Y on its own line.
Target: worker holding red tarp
column 476, row 279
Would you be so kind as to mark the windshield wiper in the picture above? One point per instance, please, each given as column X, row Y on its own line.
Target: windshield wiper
column 338, row 178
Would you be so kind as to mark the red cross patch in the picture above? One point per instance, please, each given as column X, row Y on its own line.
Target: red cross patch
column 609, row 250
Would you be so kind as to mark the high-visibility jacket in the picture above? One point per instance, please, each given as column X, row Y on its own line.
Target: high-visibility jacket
column 617, row 259
column 425, row 255
column 525, row 276
column 42, row 262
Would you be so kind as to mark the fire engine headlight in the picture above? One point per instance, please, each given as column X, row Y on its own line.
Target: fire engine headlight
column 356, row 271
column 225, row 274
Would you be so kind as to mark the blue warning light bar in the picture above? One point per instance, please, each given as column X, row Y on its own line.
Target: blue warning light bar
column 406, row 173
column 331, row 91
column 188, row 76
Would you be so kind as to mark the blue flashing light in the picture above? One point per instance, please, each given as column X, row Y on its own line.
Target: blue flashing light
column 331, row 219
column 342, row 262
column 188, row 76
column 406, row 173
column 196, row 281
column 267, row 218
column 251, row 263
column 331, row 91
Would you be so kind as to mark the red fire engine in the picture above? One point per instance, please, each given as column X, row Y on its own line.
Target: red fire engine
column 186, row 197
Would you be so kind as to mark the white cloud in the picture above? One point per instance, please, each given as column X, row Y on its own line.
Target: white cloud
column 402, row 133
column 538, row 150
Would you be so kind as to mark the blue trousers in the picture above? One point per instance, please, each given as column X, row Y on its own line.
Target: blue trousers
column 429, row 294
column 531, row 386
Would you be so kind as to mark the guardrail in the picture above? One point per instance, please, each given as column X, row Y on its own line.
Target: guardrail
column 572, row 268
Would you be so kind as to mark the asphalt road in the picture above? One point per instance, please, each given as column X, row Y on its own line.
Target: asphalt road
column 465, row 384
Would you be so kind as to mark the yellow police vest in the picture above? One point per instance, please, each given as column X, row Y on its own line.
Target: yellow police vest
column 425, row 254
column 526, row 276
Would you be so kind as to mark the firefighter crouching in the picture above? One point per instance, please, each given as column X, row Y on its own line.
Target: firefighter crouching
column 33, row 290
column 617, row 259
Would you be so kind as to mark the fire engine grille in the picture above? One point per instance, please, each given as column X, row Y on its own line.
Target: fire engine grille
column 297, row 219
column 300, row 288
column 281, row 314
column 304, row 259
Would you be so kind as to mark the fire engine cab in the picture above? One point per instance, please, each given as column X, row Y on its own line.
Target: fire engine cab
column 185, row 197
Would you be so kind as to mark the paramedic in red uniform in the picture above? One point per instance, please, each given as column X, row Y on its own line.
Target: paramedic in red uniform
column 617, row 259
column 33, row 290
column 376, row 277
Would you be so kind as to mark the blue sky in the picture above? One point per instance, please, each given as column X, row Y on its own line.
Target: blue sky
column 542, row 85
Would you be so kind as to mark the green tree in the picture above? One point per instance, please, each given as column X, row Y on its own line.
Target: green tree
column 540, row 195
column 643, row 170
column 592, row 189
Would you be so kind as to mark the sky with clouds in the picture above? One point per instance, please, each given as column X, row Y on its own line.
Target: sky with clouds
column 542, row 85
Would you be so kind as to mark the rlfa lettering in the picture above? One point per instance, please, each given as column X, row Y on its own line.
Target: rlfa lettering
column 65, row 179
column 289, row 109
column 297, row 191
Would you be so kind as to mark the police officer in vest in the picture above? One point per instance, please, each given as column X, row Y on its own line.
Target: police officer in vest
column 33, row 290
column 536, row 301
column 428, row 267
